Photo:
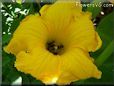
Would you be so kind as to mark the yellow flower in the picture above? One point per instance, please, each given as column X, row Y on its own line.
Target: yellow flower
column 54, row 47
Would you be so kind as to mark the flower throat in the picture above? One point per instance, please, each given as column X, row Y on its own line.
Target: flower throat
column 55, row 48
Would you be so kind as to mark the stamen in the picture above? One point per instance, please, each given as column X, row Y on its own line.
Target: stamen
column 54, row 47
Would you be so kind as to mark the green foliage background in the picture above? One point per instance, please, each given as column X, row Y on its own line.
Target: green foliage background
column 103, row 57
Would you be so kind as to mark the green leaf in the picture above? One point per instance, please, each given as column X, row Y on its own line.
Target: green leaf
column 6, row 38
column 94, row 10
column 105, row 54
column 4, row 26
column 33, row 7
column 28, row 79
column 16, row 23
column 105, row 31
column 106, row 26
column 9, row 72
column 5, row 59
column 25, row 79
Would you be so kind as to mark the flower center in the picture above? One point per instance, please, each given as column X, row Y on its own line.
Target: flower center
column 55, row 48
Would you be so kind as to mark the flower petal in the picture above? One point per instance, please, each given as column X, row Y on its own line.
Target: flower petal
column 59, row 15
column 40, row 64
column 30, row 33
column 60, row 5
column 82, row 34
column 77, row 66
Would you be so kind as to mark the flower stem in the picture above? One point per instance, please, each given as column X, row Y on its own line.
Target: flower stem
column 105, row 54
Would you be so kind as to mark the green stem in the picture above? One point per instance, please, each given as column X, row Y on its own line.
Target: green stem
column 105, row 54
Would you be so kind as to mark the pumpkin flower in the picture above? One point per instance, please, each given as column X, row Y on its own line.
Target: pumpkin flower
column 54, row 46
